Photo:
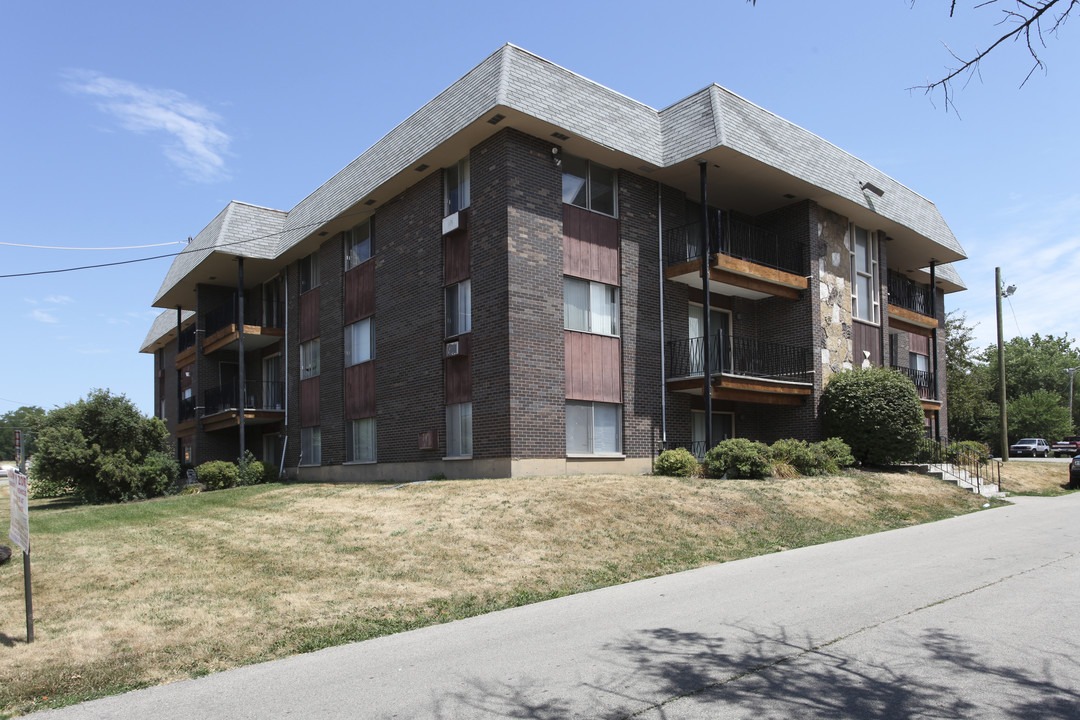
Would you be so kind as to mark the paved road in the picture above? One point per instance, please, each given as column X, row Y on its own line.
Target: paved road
column 973, row 617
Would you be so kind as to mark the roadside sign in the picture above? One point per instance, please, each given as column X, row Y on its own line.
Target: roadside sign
column 20, row 509
column 19, row 489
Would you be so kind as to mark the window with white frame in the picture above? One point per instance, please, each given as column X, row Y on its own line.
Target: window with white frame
column 359, row 342
column 456, row 187
column 309, row 272
column 459, row 430
column 590, row 306
column 309, row 359
column 588, row 185
column 360, row 440
column 311, row 446
column 458, row 308
column 357, row 245
column 593, row 428
column 865, row 285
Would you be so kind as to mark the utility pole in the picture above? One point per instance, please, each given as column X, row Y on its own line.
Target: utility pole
column 1000, row 292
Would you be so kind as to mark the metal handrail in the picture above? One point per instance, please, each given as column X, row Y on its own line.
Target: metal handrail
column 259, row 395
column 738, row 239
column 908, row 294
column 738, row 355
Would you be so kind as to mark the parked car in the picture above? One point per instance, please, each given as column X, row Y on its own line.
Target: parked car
column 1074, row 472
column 1035, row 447
column 1067, row 447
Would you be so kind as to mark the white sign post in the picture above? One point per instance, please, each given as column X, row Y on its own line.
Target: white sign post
column 19, row 489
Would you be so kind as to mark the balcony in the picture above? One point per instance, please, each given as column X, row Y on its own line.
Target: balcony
column 741, row 369
column 748, row 261
column 264, row 324
column 910, row 302
column 264, row 402
column 923, row 379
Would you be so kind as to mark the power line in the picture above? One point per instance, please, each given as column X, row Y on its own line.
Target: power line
column 182, row 252
column 63, row 247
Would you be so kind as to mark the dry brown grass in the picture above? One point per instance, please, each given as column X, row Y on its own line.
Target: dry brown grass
column 140, row 594
column 1034, row 477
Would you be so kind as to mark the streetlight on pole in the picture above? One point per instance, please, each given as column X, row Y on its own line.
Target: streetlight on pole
column 999, row 292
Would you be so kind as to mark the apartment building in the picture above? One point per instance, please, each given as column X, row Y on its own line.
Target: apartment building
column 532, row 274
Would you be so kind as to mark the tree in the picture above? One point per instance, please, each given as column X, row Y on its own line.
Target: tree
column 971, row 409
column 26, row 419
column 1038, row 414
column 876, row 411
column 1036, row 385
column 1029, row 21
column 104, row 449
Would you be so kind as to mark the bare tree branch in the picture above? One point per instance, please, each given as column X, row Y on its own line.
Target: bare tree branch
column 1027, row 21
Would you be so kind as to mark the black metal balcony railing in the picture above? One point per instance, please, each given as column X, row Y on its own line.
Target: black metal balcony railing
column 736, row 355
column 187, row 338
column 908, row 294
column 923, row 379
column 259, row 395
column 187, row 409
column 265, row 314
column 740, row 240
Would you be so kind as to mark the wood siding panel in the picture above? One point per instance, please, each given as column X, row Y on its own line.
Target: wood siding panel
column 458, row 380
column 360, row 391
column 919, row 344
column 590, row 245
column 360, row 292
column 309, row 315
column 593, row 367
column 309, row 402
column 455, row 257
column 866, row 338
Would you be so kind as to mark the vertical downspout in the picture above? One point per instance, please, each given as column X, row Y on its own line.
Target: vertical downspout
column 934, row 332
column 663, row 369
column 706, row 300
column 242, row 390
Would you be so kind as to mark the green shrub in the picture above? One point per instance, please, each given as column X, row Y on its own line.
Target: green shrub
column 678, row 462
column 797, row 454
column 158, row 474
column 820, row 458
column 249, row 470
column 738, row 458
column 103, row 449
column 837, row 453
column 876, row 411
column 218, row 474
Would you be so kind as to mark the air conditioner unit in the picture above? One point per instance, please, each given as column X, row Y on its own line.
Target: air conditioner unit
column 452, row 349
column 451, row 222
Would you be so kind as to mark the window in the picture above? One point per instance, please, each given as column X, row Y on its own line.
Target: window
column 311, row 446
column 919, row 363
column 456, row 187
column 309, row 272
column 357, row 245
column 360, row 440
column 309, row 359
column 459, row 430
column 865, row 287
column 590, row 306
column 458, row 308
column 588, row 185
column 359, row 342
column 593, row 428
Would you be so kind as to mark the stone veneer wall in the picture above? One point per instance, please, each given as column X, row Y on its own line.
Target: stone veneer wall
column 834, row 288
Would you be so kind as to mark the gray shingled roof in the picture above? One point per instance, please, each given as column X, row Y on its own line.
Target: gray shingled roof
column 164, row 324
column 240, row 229
column 516, row 80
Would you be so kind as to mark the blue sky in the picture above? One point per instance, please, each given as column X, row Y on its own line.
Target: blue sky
column 132, row 124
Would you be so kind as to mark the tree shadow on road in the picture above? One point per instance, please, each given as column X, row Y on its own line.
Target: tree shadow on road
column 668, row 673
